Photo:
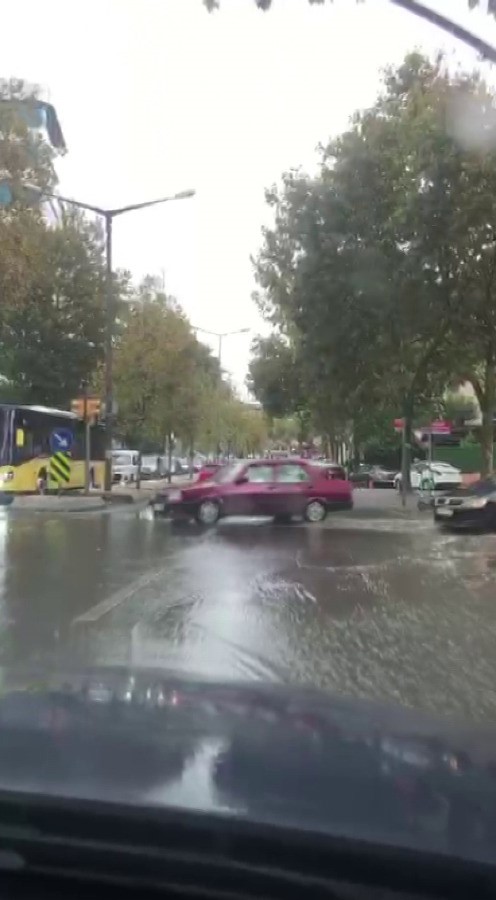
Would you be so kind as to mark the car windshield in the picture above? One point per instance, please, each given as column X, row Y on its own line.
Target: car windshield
column 122, row 459
column 248, row 414
column 228, row 473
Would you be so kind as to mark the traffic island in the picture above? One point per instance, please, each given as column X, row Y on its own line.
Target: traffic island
column 55, row 503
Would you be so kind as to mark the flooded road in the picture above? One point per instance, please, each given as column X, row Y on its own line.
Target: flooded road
column 383, row 609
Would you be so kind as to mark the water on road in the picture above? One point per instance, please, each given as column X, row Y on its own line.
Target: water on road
column 380, row 608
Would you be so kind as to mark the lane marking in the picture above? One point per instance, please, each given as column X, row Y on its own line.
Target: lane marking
column 94, row 613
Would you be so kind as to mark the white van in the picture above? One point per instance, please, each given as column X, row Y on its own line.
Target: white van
column 125, row 466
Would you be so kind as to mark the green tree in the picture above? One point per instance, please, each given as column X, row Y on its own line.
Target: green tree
column 384, row 264
column 51, row 272
column 450, row 213
column 51, row 317
column 165, row 380
column 275, row 377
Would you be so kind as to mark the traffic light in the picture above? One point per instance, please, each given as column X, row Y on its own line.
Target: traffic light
column 93, row 407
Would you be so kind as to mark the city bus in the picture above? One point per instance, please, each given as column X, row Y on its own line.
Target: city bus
column 25, row 447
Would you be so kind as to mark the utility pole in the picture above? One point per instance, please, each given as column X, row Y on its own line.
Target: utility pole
column 87, row 449
column 404, row 464
column 109, row 336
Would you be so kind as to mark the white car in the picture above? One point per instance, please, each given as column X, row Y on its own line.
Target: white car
column 125, row 466
column 436, row 475
column 153, row 467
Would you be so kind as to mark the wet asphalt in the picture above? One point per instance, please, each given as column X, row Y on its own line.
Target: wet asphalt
column 371, row 604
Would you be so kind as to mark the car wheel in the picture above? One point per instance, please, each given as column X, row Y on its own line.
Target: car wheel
column 315, row 511
column 208, row 513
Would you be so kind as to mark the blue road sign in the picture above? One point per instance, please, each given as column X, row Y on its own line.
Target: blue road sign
column 61, row 439
column 5, row 194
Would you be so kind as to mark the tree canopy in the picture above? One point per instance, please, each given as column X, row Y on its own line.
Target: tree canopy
column 167, row 383
column 51, row 270
column 380, row 270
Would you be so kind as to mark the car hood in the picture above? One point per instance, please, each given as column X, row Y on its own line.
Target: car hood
column 464, row 491
column 198, row 487
column 291, row 757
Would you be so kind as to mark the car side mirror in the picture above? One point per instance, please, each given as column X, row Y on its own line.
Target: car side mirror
column 241, row 479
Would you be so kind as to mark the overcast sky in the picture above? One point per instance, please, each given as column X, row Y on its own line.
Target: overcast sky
column 156, row 96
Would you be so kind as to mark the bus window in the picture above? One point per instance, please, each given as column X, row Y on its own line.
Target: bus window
column 7, row 417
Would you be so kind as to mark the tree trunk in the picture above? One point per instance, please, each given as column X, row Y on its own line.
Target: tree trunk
column 406, row 448
column 487, row 410
column 169, row 458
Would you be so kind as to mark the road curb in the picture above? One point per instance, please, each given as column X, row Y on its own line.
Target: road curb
column 42, row 503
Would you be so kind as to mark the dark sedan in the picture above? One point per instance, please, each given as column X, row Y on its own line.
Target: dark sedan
column 470, row 507
column 372, row 476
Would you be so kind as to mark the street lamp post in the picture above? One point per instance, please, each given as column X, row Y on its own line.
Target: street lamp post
column 108, row 216
column 220, row 335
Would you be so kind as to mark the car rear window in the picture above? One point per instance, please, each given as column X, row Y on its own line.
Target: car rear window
column 334, row 472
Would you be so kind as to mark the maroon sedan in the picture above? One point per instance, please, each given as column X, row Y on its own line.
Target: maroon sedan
column 278, row 488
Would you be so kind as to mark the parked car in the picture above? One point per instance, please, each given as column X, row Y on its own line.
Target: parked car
column 468, row 507
column 125, row 466
column 177, row 466
column 381, row 477
column 372, row 476
column 278, row 488
column 436, row 475
column 360, row 475
column 152, row 467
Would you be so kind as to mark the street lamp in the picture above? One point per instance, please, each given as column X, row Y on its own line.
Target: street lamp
column 108, row 216
column 220, row 336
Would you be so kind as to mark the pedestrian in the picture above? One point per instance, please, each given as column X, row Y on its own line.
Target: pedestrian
column 41, row 481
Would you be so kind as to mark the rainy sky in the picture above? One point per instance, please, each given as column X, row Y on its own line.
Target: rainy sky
column 157, row 96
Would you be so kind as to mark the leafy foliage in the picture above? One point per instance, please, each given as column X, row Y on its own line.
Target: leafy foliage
column 168, row 383
column 51, row 318
column 380, row 272
column 51, row 273
column 274, row 377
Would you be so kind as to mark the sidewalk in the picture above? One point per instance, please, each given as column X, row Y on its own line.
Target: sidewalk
column 54, row 503
column 370, row 503
column 129, row 493
column 77, row 501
